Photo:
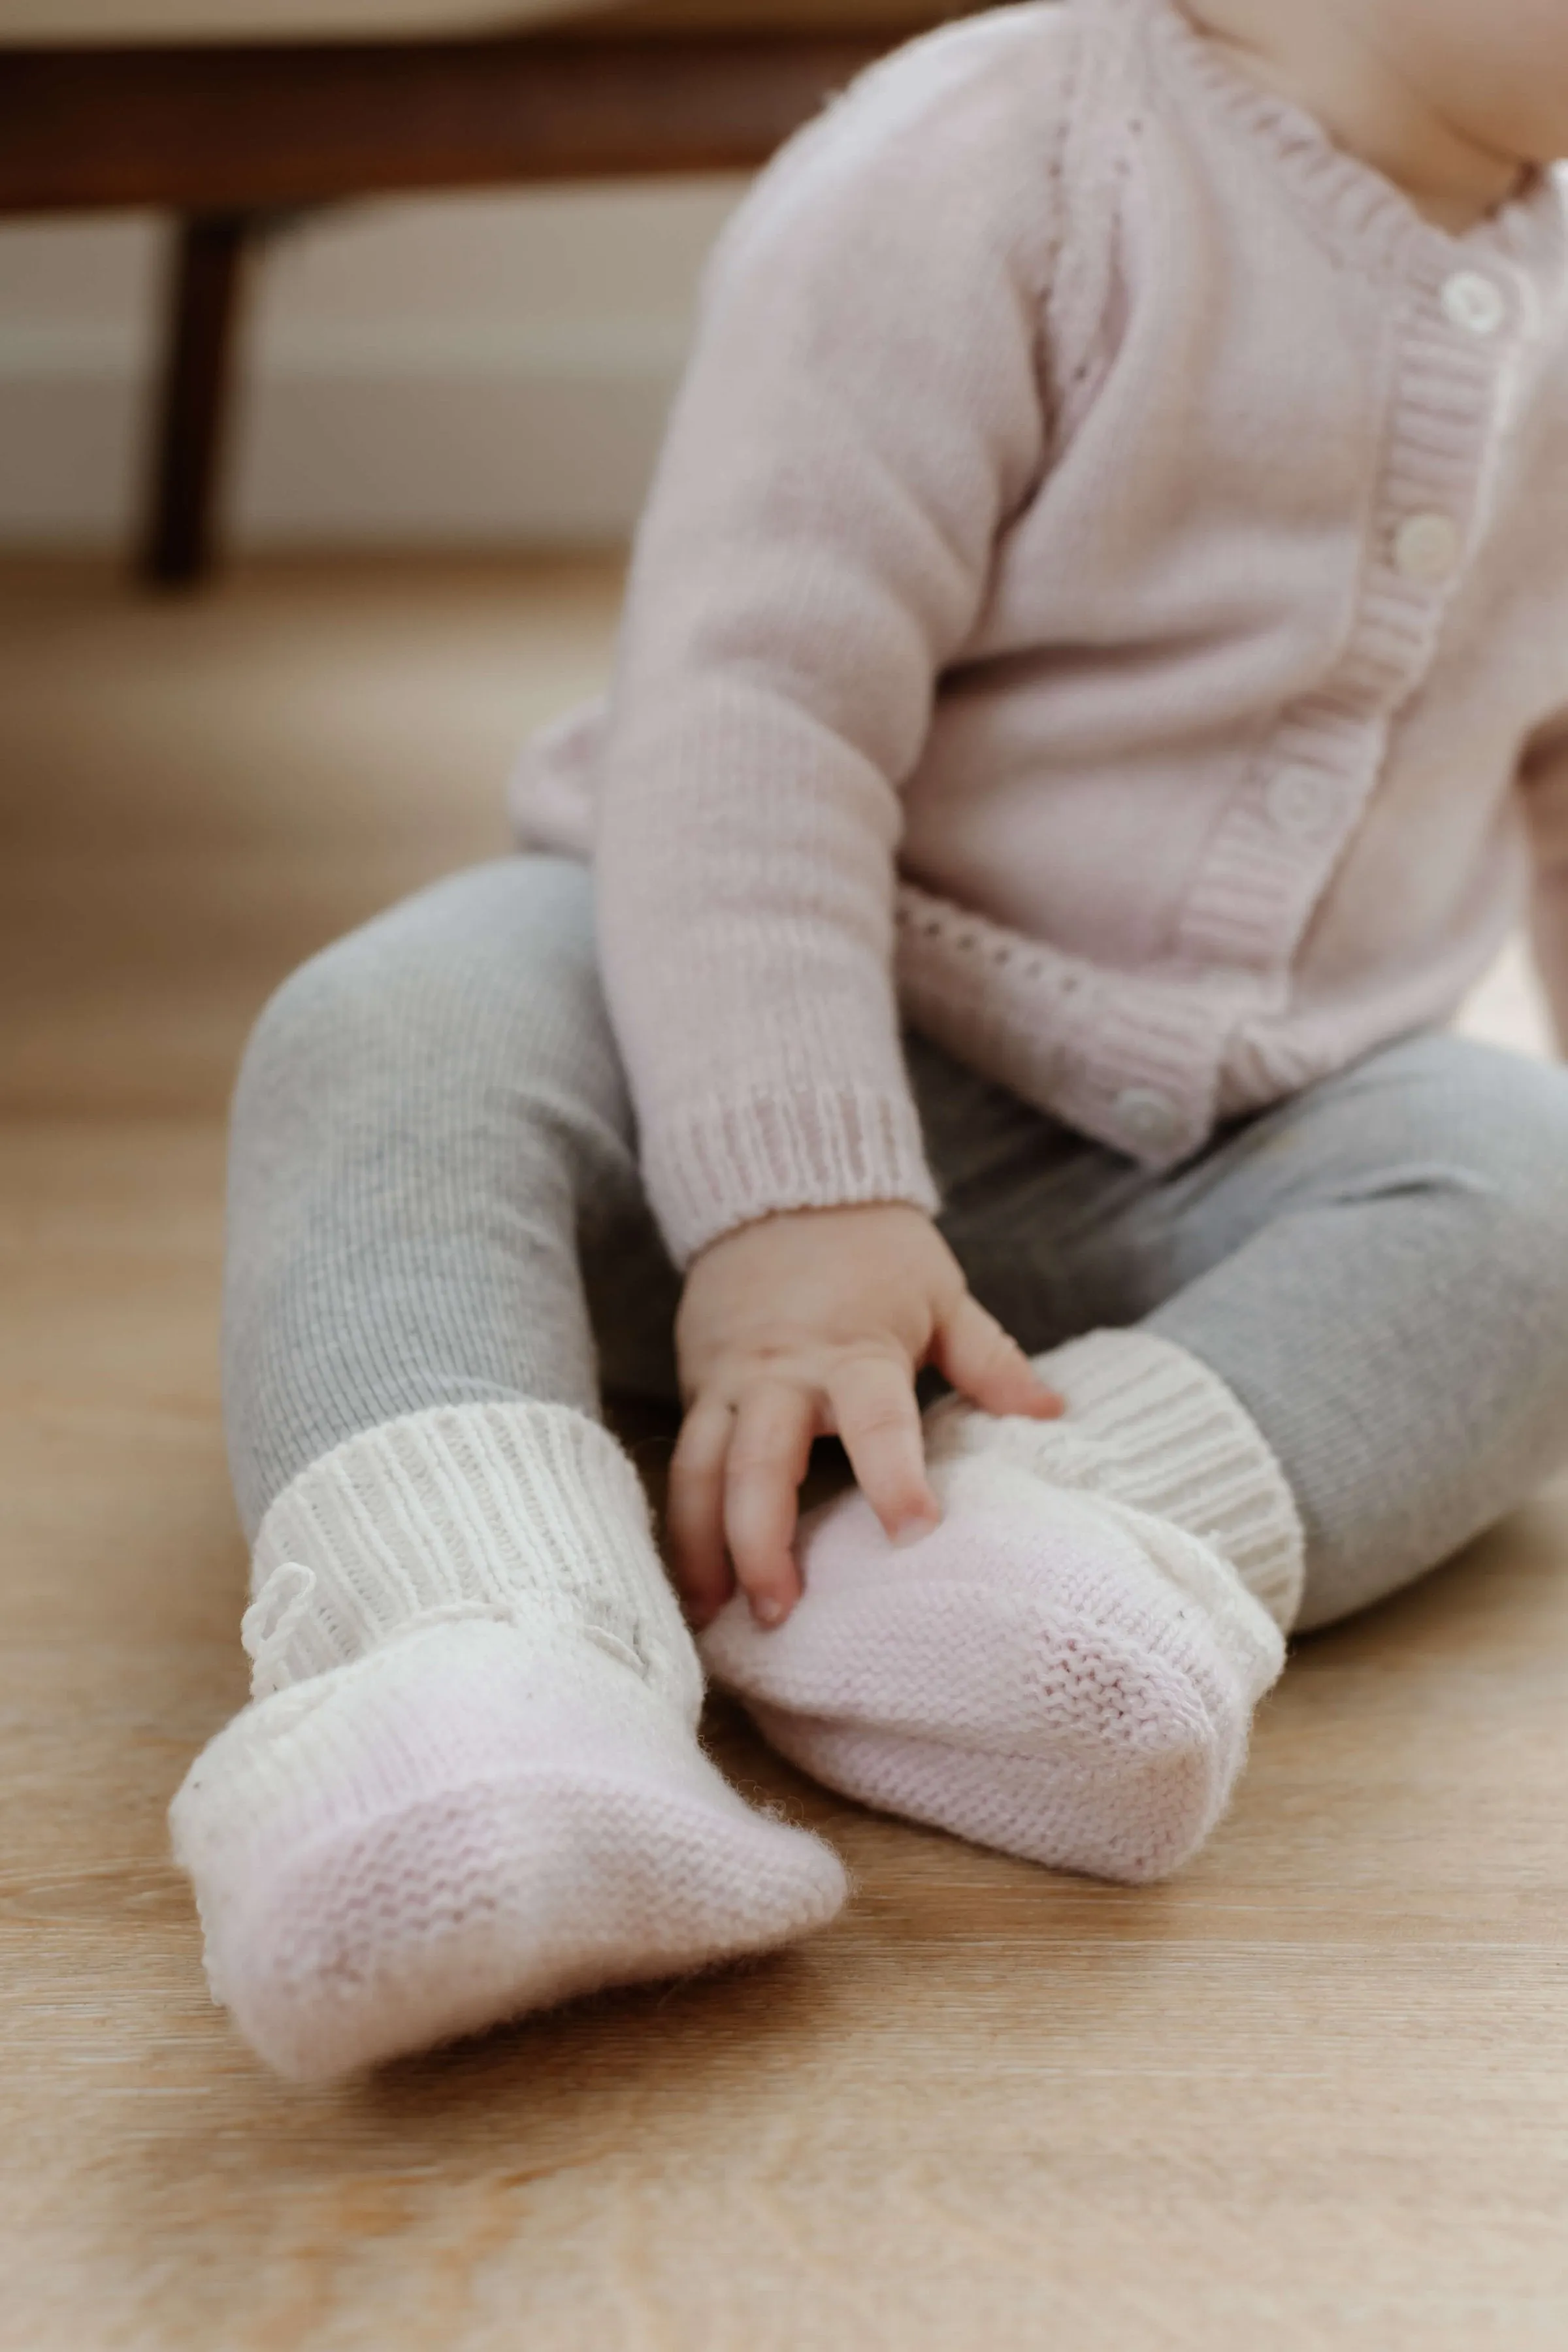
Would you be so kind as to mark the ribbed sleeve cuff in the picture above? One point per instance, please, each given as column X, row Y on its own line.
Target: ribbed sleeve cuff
column 727, row 1161
column 530, row 1514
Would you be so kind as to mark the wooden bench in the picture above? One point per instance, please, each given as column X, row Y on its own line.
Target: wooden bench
column 227, row 136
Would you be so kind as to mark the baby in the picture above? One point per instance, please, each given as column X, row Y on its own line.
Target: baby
column 1093, row 690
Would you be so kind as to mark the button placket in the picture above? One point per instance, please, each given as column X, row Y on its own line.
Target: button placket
column 1474, row 302
column 1272, row 857
column 1148, row 1117
column 1300, row 805
column 1427, row 548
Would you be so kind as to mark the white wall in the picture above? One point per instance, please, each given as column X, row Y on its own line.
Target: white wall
column 461, row 371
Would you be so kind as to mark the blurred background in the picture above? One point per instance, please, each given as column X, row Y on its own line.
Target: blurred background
column 336, row 338
column 459, row 372
column 427, row 265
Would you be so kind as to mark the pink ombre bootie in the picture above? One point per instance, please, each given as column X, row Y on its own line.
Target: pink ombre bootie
column 1066, row 1666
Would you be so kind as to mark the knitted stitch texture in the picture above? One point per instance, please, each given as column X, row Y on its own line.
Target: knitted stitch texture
column 469, row 1785
column 1107, row 542
column 1151, row 1427
column 513, row 1511
column 1066, row 1667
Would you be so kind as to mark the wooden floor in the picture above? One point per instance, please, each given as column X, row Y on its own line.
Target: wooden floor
column 1315, row 2094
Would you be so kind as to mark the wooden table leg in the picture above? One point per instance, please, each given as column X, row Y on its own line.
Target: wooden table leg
column 178, row 542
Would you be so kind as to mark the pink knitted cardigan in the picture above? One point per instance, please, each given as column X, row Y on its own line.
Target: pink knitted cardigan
column 1104, row 600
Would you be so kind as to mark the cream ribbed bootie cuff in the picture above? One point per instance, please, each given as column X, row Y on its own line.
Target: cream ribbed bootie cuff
column 1150, row 1426
column 469, row 1784
column 527, row 1514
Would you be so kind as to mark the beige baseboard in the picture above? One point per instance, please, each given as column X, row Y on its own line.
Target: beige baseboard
column 355, row 438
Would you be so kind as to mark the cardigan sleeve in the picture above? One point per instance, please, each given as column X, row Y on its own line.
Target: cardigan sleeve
column 861, row 415
column 1545, row 781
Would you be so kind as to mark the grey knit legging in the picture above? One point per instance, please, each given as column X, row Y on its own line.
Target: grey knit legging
column 435, row 1199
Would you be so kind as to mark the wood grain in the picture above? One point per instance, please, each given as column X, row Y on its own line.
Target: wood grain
column 1309, row 2095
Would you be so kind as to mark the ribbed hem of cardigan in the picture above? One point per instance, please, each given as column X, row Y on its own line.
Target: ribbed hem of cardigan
column 527, row 1514
column 1099, row 1048
column 727, row 1161
column 1149, row 1425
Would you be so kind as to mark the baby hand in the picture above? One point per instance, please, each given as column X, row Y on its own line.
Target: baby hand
column 805, row 1325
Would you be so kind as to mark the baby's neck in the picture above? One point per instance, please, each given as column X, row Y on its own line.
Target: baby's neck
column 1326, row 60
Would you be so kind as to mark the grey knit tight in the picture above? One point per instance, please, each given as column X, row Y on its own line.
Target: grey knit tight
column 434, row 1199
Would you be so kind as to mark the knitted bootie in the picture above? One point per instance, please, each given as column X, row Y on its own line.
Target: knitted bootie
column 469, row 1784
column 1066, row 1666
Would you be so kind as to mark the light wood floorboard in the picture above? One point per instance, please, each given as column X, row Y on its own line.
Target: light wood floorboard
column 1312, row 2094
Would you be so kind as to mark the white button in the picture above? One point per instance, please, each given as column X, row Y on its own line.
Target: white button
column 1428, row 548
column 1474, row 303
column 1148, row 1117
column 1301, row 804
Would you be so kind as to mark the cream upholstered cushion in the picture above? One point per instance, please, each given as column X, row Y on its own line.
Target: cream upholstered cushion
column 261, row 20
